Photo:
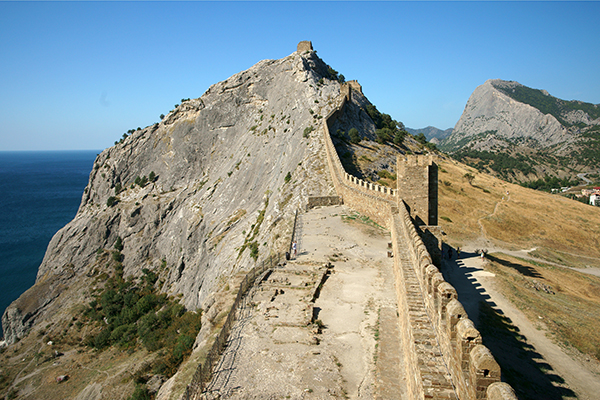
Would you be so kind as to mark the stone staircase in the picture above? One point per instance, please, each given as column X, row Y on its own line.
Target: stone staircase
column 432, row 367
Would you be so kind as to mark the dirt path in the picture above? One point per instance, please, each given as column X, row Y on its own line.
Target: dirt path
column 475, row 285
column 484, row 242
column 311, row 330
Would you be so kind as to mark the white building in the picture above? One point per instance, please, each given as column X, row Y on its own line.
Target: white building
column 595, row 200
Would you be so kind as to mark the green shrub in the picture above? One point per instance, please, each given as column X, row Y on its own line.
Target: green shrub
column 253, row 250
column 119, row 244
column 140, row 393
column 386, row 174
column 399, row 137
column 117, row 256
column 111, row 201
column 130, row 313
column 288, row 177
column 354, row 137
column 383, row 135
column 307, row 131
column 431, row 146
column 420, row 137
column 141, row 182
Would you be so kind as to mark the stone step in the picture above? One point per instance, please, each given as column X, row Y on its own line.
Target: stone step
column 436, row 380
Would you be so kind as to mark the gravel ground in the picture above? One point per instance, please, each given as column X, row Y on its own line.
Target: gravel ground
column 311, row 329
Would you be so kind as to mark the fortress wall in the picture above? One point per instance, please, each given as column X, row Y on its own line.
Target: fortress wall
column 320, row 201
column 475, row 374
column 472, row 366
column 340, row 176
column 414, row 382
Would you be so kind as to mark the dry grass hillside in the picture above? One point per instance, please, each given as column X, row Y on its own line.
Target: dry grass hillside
column 486, row 212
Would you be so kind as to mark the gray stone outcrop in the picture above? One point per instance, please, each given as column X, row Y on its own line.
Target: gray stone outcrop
column 220, row 163
column 492, row 119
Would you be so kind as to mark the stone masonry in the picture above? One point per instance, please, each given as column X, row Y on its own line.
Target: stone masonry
column 417, row 187
column 305, row 45
column 445, row 358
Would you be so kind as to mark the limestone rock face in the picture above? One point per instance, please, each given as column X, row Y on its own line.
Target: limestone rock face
column 219, row 164
column 493, row 119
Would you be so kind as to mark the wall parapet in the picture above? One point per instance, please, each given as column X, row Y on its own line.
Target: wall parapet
column 471, row 364
column 339, row 175
column 473, row 371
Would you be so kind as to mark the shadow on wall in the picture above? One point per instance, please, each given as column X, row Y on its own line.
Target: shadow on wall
column 522, row 366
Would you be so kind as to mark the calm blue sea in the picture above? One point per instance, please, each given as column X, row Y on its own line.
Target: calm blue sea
column 40, row 192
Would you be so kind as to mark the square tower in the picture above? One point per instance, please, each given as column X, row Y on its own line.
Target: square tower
column 417, row 186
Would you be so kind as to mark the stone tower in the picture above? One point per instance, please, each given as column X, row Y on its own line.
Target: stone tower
column 305, row 45
column 417, row 185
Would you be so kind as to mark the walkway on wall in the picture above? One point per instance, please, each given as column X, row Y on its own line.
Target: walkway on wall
column 315, row 331
column 432, row 368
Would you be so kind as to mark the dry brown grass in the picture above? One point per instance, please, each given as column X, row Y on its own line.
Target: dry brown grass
column 570, row 314
column 32, row 361
column 523, row 220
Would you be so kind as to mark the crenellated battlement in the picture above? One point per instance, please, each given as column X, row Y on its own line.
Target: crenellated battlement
column 445, row 357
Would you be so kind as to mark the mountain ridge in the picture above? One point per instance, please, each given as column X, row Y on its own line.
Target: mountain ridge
column 215, row 193
column 433, row 134
column 522, row 134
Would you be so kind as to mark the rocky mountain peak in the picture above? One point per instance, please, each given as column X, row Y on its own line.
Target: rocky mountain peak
column 493, row 119
column 202, row 194
column 523, row 133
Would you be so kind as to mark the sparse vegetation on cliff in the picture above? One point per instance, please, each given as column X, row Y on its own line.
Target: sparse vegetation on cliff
column 388, row 129
column 111, row 201
column 502, row 163
column 131, row 312
column 354, row 137
column 548, row 104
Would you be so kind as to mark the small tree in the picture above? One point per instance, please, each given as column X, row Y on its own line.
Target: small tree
column 152, row 176
column 111, row 201
column 469, row 177
column 288, row 177
column 399, row 137
column 354, row 136
column 383, row 135
column 420, row 137
column 119, row 243
column 307, row 131
column 254, row 250
column 162, row 116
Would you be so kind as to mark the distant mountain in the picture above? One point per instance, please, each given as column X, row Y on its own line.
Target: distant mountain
column 523, row 134
column 431, row 133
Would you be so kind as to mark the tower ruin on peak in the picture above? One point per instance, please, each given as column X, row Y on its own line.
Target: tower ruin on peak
column 305, row 45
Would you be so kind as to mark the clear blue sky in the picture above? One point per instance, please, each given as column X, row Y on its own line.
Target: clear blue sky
column 77, row 75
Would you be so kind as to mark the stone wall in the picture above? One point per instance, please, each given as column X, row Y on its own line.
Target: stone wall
column 320, row 201
column 366, row 197
column 471, row 365
column 417, row 187
column 305, row 45
column 430, row 317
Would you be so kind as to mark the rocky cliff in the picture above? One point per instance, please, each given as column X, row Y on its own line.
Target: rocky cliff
column 492, row 118
column 533, row 129
column 197, row 197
